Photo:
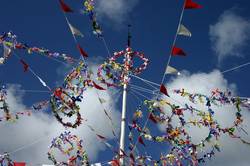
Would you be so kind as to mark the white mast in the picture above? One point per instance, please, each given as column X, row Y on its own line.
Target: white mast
column 124, row 104
column 123, row 124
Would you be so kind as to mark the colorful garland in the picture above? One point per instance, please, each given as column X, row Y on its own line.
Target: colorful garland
column 67, row 139
column 5, row 160
column 183, row 149
column 4, row 108
column 10, row 43
column 113, row 73
column 89, row 9
column 64, row 99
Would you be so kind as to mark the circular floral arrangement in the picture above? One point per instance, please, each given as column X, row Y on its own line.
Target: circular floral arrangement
column 64, row 99
column 65, row 144
column 113, row 73
column 171, row 116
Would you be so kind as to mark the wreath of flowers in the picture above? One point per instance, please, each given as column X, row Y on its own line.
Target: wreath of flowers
column 183, row 148
column 113, row 73
column 64, row 99
column 73, row 143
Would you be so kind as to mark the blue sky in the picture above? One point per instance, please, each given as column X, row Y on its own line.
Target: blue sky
column 42, row 24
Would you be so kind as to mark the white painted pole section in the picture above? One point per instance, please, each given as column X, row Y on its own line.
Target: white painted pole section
column 123, row 124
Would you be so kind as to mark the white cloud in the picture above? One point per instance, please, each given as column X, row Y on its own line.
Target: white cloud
column 229, row 35
column 234, row 152
column 115, row 10
column 42, row 127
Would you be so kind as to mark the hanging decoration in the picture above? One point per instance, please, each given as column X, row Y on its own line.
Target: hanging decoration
column 90, row 11
column 5, row 112
column 10, row 43
column 183, row 148
column 68, row 145
column 64, row 99
column 113, row 73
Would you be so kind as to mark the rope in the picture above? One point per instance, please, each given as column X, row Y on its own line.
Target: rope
column 235, row 68
column 147, row 82
column 169, row 59
column 39, row 78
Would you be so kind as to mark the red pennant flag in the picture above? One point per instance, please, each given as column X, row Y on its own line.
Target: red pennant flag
column 192, row 5
column 123, row 153
column 58, row 92
column 141, row 141
column 82, row 52
column 97, row 86
column 114, row 163
column 178, row 51
column 152, row 118
column 25, row 65
column 164, row 90
column 19, row 164
column 65, row 7
column 101, row 137
column 132, row 157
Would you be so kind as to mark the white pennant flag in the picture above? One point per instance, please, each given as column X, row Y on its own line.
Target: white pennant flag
column 75, row 31
column 6, row 51
column 171, row 70
column 6, row 54
column 96, row 164
column 182, row 30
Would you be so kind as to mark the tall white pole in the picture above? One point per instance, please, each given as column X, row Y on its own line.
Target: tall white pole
column 123, row 124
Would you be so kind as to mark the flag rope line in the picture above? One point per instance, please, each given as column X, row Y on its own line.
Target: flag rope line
column 147, row 82
column 106, row 46
column 28, row 145
column 30, row 69
column 235, row 68
column 149, row 92
column 173, row 44
column 136, row 86
column 33, row 91
column 108, row 116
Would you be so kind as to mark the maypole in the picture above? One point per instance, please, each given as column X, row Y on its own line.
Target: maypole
column 124, row 104
column 115, row 74
column 123, row 123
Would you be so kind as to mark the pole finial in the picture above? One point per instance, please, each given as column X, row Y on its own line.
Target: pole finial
column 129, row 35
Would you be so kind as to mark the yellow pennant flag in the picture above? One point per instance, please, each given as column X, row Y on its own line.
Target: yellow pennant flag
column 75, row 31
column 182, row 30
column 171, row 70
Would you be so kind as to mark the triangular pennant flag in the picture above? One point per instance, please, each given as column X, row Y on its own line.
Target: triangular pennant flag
column 82, row 52
column 178, row 51
column 182, row 30
column 6, row 51
column 102, row 100
column 58, row 92
column 65, row 7
column 192, row 5
column 132, row 157
column 75, row 31
column 101, row 137
column 107, row 144
column 19, row 163
column 141, row 141
column 96, row 164
column 25, row 65
column 122, row 153
column 42, row 82
column 152, row 118
column 114, row 163
column 163, row 90
column 97, row 86
column 171, row 70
